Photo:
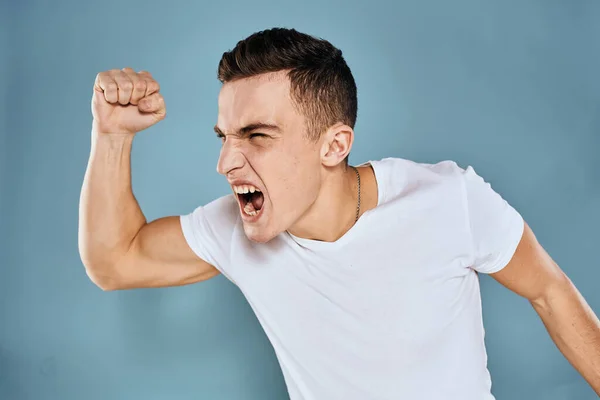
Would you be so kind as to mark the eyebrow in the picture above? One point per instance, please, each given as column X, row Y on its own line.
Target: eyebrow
column 244, row 131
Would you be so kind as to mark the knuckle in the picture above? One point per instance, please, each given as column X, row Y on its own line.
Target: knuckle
column 140, row 86
column 126, row 85
column 101, row 76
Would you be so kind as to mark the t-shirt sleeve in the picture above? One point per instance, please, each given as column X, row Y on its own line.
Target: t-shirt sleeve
column 208, row 231
column 496, row 227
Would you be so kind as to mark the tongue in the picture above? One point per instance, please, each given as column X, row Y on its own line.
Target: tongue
column 257, row 200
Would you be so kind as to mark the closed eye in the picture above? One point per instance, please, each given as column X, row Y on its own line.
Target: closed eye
column 257, row 135
column 222, row 137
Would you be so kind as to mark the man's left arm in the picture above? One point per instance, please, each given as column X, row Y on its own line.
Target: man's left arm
column 570, row 321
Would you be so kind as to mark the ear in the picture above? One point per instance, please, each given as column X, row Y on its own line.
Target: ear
column 336, row 144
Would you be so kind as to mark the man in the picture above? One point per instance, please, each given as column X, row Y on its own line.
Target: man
column 363, row 278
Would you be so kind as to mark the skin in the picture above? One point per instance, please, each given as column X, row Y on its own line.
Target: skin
column 301, row 181
column 569, row 320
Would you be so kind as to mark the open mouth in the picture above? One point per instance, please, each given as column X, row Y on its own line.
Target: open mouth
column 251, row 199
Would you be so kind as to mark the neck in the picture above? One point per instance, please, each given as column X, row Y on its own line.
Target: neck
column 334, row 211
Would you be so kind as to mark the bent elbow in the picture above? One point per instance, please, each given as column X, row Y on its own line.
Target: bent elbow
column 102, row 278
column 106, row 285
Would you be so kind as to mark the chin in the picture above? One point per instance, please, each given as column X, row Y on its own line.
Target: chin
column 258, row 235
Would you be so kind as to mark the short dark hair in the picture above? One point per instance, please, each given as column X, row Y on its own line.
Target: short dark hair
column 322, row 85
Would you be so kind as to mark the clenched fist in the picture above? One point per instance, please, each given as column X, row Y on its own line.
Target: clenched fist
column 126, row 101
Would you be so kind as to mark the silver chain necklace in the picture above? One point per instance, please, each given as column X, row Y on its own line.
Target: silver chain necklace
column 358, row 203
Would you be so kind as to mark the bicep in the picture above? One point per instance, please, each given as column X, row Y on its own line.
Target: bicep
column 160, row 256
column 531, row 272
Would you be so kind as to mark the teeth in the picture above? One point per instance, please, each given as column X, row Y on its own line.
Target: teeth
column 245, row 189
column 249, row 210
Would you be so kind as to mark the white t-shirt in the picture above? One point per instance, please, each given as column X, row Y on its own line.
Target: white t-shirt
column 391, row 310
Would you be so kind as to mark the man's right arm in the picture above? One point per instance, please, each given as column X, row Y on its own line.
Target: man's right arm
column 118, row 247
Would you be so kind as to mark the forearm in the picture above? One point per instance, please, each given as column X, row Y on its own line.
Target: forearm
column 109, row 214
column 574, row 328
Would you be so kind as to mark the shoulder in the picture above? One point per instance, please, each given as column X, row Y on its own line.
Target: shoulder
column 226, row 206
column 399, row 176
column 208, row 230
column 221, row 213
column 402, row 168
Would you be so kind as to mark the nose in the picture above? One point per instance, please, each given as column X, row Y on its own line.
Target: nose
column 230, row 158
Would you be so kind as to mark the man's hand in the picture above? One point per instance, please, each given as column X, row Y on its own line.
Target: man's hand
column 126, row 102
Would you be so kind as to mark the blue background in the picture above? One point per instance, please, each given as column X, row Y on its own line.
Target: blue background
column 510, row 87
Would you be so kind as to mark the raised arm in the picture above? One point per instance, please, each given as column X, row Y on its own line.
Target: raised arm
column 118, row 247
